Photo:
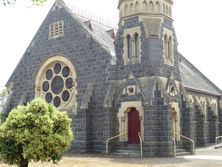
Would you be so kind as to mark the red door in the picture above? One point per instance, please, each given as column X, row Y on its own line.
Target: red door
column 133, row 126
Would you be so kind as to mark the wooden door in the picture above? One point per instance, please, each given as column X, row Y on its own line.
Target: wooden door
column 133, row 126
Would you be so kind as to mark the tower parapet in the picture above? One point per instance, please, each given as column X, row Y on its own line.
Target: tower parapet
column 146, row 7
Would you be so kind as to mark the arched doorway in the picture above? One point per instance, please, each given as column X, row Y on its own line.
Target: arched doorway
column 123, row 117
column 176, row 131
column 133, row 126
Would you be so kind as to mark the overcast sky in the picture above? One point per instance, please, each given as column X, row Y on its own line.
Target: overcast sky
column 197, row 23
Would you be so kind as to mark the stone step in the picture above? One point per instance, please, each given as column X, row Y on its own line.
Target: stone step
column 134, row 155
column 126, row 153
column 127, row 150
column 218, row 146
column 182, row 152
column 128, row 146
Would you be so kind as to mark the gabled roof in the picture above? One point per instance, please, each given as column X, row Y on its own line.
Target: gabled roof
column 96, row 29
column 99, row 32
column 193, row 79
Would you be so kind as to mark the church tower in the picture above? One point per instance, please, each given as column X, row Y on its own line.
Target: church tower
column 147, row 75
column 146, row 35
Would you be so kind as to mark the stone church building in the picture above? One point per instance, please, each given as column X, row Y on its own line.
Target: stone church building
column 133, row 84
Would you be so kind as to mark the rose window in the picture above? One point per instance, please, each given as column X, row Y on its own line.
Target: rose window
column 57, row 84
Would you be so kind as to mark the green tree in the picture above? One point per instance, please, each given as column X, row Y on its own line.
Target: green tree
column 3, row 99
column 10, row 2
column 36, row 132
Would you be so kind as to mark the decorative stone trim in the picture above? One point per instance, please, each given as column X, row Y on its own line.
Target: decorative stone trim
column 56, row 83
column 132, row 7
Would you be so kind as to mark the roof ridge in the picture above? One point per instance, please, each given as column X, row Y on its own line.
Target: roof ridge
column 89, row 15
column 90, row 19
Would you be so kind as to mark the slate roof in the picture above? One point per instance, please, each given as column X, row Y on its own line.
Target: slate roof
column 97, row 30
column 99, row 33
column 192, row 78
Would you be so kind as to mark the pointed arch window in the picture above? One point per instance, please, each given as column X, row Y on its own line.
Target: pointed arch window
column 144, row 5
column 132, row 45
column 128, row 42
column 166, row 46
column 164, row 8
column 157, row 6
column 170, row 49
column 151, row 7
column 136, row 37
column 126, row 9
column 131, row 8
column 137, row 6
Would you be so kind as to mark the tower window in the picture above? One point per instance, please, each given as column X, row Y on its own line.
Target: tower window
column 166, row 47
column 56, row 29
column 136, row 36
column 131, row 54
column 132, row 43
column 170, row 47
column 128, row 39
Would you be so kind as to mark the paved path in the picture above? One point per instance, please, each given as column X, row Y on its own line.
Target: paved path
column 204, row 157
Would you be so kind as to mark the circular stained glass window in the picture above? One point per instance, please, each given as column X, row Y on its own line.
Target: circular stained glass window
column 57, row 101
column 65, row 71
column 48, row 97
column 69, row 83
column 57, row 84
column 57, row 68
column 45, row 86
column 49, row 74
column 65, row 95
